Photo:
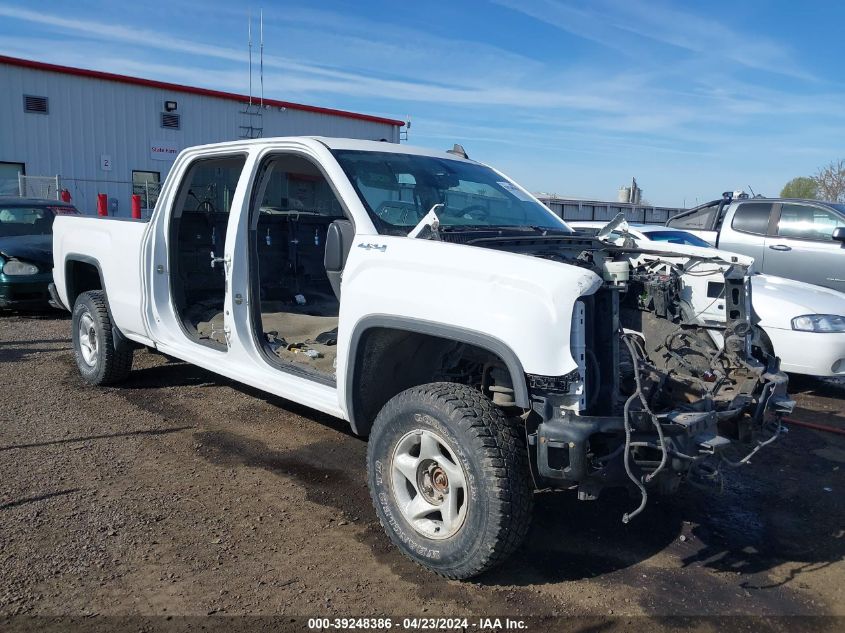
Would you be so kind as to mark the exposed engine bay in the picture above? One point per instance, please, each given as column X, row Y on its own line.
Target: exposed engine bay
column 671, row 385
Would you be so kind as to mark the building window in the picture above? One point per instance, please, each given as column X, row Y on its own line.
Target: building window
column 37, row 105
column 146, row 184
column 170, row 120
column 9, row 173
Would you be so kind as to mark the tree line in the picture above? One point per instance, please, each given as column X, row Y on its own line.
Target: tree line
column 827, row 184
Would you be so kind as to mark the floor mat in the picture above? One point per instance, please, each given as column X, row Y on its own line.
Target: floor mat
column 303, row 329
column 290, row 328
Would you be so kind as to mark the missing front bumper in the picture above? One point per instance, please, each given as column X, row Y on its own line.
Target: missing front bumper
column 587, row 451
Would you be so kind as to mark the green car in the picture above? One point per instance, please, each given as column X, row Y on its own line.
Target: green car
column 26, row 251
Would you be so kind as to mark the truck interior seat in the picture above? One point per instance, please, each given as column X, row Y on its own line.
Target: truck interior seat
column 298, row 303
column 291, row 248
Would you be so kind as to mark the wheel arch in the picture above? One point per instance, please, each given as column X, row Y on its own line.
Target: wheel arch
column 82, row 273
column 360, row 351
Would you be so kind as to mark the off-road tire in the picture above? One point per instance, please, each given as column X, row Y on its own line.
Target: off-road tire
column 492, row 452
column 111, row 365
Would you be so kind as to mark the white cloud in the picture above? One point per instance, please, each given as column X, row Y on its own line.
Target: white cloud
column 622, row 25
column 309, row 78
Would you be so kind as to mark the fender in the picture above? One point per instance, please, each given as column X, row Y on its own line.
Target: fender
column 449, row 332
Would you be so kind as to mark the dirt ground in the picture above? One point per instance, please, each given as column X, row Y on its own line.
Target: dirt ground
column 181, row 493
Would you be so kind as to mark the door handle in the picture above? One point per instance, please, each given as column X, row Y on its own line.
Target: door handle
column 225, row 260
column 780, row 247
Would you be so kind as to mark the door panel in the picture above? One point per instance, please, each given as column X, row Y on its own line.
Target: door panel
column 190, row 262
column 803, row 249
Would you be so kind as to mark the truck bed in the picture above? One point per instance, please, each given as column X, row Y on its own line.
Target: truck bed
column 113, row 246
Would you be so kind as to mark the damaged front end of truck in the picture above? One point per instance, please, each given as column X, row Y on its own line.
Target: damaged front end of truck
column 671, row 385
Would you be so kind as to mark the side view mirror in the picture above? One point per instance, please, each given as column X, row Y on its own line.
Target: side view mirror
column 838, row 234
column 338, row 244
column 339, row 239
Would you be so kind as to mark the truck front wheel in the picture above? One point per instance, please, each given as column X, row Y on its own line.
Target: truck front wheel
column 97, row 358
column 449, row 479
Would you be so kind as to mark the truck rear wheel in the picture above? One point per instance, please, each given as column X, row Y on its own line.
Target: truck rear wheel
column 449, row 479
column 99, row 361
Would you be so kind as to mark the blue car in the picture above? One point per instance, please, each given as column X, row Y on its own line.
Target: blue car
column 26, row 251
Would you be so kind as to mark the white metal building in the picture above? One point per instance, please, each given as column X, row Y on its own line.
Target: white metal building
column 113, row 134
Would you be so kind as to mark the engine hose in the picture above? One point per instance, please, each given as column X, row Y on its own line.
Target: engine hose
column 664, row 457
column 680, row 455
column 627, row 461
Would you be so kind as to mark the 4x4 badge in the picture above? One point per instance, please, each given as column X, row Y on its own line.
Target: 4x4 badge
column 369, row 247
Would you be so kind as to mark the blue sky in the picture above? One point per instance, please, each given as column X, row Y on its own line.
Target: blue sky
column 569, row 97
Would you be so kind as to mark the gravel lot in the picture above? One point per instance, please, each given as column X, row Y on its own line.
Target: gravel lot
column 181, row 493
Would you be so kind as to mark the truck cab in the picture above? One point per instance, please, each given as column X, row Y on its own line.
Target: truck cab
column 482, row 347
column 797, row 239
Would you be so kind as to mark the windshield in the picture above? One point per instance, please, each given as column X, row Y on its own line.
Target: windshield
column 677, row 237
column 16, row 221
column 398, row 190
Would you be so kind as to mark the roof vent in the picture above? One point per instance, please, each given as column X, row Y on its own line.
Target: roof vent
column 170, row 120
column 35, row 104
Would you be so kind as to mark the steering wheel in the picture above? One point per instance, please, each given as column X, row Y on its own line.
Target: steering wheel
column 474, row 212
column 388, row 211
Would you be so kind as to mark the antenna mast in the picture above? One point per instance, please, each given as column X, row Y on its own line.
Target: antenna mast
column 249, row 47
column 261, row 55
column 252, row 126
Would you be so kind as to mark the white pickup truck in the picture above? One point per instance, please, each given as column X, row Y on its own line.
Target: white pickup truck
column 483, row 347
